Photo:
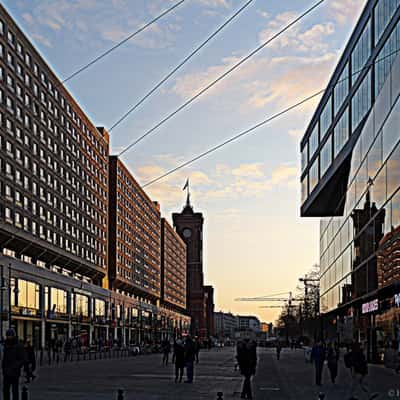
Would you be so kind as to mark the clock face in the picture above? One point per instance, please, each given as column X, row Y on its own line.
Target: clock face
column 187, row 233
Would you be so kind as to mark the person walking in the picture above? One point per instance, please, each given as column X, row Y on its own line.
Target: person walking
column 189, row 359
column 14, row 359
column 333, row 359
column 30, row 364
column 278, row 351
column 179, row 359
column 356, row 361
column 197, row 348
column 166, row 348
column 318, row 358
column 247, row 360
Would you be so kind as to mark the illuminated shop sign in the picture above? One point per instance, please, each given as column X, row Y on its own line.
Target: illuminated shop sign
column 397, row 300
column 371, row 306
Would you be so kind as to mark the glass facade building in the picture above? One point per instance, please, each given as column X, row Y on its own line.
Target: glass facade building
column 360, row 223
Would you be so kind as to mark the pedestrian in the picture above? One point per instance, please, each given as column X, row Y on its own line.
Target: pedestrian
column 189, row 359
column 278, row 351
column 166, row 349
column 318, row 358
column 247, row 360
column 179, row 359
column 197, row 347
column 356, row 361
column 333, row 359
column 67, row 349
column 13, row 360
column 209, row 343
column 30, row 364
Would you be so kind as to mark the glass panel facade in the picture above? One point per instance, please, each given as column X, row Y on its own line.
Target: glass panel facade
column 58, row 300
column 326, row 118
column 384, row 11
column 304, row 157
column 351, row 246
column 304, row 189
column 313, row 175
column 28, row 294
column 313, row 141
column 99, row 308
column 326, row 155
column 385, row 58
column 361, row 102
column 81, row 305
column 361, row 52
column 341, row 133
column 341, row 89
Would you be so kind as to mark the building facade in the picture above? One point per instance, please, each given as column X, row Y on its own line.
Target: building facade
column 350, row 179
column 225, row 325
column 173, row 267
column 54, row 217
column 200, row 302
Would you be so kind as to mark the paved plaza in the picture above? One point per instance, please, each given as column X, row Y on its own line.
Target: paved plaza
column 144, row 378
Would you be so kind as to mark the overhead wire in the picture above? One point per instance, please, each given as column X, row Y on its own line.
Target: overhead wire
column 119, row 44
column 221, row 77
column 262, row 123
column 180, row 65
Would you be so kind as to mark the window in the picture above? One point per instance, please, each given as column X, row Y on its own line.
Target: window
column 361, row 102
column 304, row 157
column 1, row 27
column 81, row 304
column 58, row 299
column 314, row 175
column 341, row 89
column 361, row 52
column 11, row 38
column 304, row 189
column 384, row 11
column 28, row 294
column 326, row 117
column 99, row 308
column 341, row 133
column 385, row 59
column 313, row 141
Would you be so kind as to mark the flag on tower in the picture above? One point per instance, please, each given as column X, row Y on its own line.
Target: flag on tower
column 186, row 184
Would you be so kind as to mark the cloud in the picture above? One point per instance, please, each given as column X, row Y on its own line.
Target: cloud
column 214, row 3
column 41, row 39
column 346, row 12
column 296, row 133
column 249, row 170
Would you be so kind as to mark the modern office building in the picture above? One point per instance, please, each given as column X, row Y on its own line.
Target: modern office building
column 225, row 325
column 350, row 179
column 54, row 217
column 173, row 268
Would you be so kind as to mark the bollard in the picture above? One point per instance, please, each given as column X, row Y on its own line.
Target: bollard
column 220, row 396
column 24, row 394
column 321, row 396
column 120, row 394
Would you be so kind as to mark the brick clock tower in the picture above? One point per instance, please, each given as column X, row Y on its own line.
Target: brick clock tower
column 189, row 226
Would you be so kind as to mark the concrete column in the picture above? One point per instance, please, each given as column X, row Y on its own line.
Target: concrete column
column 43, row 333
column 107, row 332
column 91, row 328
column 69, row 329
column 115, row 333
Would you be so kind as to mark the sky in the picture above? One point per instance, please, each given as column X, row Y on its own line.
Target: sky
column 255, row 242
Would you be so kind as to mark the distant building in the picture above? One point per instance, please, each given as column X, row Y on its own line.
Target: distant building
column 209, row 304
column 225, row 325
column 249, row 324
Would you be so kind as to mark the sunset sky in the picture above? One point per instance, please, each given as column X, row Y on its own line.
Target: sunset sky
column 249, row 191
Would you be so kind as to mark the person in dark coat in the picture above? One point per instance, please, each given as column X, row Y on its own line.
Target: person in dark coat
column 179, row 359
column 166, row 349
column 247, row 360
column 30, row 365
column 278, row 351
column 333, row 359
column 14, row 359
column 190, row 355
column 318, row 358
column 197, row 348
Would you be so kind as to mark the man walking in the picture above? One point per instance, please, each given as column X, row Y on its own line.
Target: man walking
column 197, row 348
column 247, row 360
column 189, row 359
column 318, row 357
column 166, row 348
column 179, row 359
column 30, row 365
column 13, row 360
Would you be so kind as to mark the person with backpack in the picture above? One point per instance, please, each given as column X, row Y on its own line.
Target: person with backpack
column 356, row 361
column 179, row 359
column 247, row 360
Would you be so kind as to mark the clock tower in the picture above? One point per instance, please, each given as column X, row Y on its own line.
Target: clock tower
column 189, row 226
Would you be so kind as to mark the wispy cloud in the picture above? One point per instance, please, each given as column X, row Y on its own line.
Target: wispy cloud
column 346, row 11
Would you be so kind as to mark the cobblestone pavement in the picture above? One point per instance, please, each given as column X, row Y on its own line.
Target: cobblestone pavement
column 144, row 378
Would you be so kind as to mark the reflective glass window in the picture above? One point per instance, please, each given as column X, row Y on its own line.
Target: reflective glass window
column 385, row 59
column 28, row 294
column 58, row 300
column 393, row 171
column 396, row 210
column 304, row 189
column 384, row 11
column 379, row 188
column 341, row 89
column 313, row 141
column 391, row 131
column 326, row 155
column 361, row 102
column 341, row 132
column 326, row 117
column 313, row 175
column 375, row 156
column 81, row 305
column 361, row 52
column 304, row 157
